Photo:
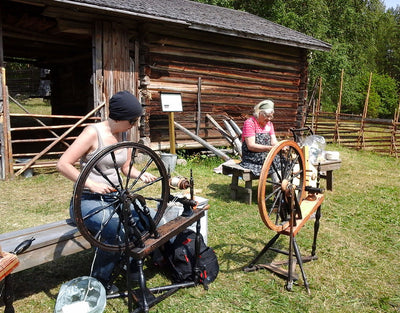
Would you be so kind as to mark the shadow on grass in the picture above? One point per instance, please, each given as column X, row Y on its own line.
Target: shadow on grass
column 222, row 192
column 46, row 277
column 234, row 257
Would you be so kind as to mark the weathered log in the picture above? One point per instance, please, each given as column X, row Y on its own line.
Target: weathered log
column 236, row 141
column 219, row 128
column 235, row 127
column 203, row 142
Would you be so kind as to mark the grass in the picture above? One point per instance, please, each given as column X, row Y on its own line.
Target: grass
column 32, row 105
column 358, row 267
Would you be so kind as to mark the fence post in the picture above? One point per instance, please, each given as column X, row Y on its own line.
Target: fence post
column 6, row 148
column 318, row 105
column 395, row 121
column 336, row 136
column 360, row 140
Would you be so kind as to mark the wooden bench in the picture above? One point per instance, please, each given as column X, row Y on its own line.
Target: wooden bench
column 237, row 172
column 52, row 241
column 62, row 238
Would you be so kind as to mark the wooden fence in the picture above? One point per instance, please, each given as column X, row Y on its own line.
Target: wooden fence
column 354, row 131
column 35, row 140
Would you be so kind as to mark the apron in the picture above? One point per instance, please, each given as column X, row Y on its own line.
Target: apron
column 254, row 161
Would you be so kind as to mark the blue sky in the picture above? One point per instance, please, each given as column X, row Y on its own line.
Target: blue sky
column 391, row 3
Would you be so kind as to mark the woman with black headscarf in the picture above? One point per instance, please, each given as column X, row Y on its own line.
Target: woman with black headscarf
column 124, row 111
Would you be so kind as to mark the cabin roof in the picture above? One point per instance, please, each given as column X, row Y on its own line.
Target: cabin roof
column 208, row 18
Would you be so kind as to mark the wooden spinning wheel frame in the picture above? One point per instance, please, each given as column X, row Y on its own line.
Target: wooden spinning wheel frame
column 128, row 192
column 112, row 224
column 284, row 165
column 285, row 204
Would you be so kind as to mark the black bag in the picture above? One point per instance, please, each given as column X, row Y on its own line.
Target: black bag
column 181, row 254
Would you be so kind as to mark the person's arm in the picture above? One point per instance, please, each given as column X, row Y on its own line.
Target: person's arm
column 256, row 147
column 274, row 141
column 249, row 133
column 82, row 145
column 145, row 177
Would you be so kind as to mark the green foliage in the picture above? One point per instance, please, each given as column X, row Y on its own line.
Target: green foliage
column 365, row 38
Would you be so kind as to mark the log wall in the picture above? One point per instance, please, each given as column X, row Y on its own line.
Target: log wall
column 234, row 75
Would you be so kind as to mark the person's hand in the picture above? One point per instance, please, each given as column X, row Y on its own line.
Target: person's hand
column 100, row 187
column 147, row 177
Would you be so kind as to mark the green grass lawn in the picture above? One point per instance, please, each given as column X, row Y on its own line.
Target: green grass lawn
column 358, row 266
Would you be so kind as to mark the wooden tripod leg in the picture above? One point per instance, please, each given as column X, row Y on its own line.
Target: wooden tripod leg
column 291, row 263
column 300, row 261
column 316, row 228
column 143, row 287
column 250, row 267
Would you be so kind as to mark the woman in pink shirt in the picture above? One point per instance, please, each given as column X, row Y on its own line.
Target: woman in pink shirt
column 258, row 137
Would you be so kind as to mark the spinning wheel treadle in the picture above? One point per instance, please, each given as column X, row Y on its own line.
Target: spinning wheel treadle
column 129, row 192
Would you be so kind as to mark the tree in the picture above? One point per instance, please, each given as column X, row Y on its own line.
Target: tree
column 364, row 37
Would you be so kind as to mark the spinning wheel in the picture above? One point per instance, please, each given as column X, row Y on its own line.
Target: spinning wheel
column 126, row 220
column 129, row 192
column 285, row 204
column 284, row 165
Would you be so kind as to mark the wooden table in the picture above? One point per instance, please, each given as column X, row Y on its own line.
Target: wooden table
column 327, row 167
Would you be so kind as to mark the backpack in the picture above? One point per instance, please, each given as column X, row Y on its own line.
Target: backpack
column 180, row 257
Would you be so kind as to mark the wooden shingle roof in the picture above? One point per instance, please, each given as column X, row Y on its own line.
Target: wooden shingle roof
column 208, row 18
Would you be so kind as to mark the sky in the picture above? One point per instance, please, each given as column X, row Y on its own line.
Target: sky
column 391, row 3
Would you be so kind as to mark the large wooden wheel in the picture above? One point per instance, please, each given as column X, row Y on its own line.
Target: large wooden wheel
column 114, row 211
column 284, row 166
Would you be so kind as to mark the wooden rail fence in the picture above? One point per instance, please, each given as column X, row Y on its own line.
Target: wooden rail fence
column 36, row 140
column 354, row 131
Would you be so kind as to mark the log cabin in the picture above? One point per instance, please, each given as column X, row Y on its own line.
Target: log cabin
column 220, row 61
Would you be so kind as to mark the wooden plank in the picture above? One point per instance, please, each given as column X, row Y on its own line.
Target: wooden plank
column 52, row 241
column 329, row 165
column 307, row 209
column 237, row 170
column 169, row 230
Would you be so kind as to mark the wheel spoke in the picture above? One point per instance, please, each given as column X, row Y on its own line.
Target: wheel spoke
column 153, row 197
column 100, row 209
column 117, row 172
column 105, row 177
column 285, row 162
column 104, row 224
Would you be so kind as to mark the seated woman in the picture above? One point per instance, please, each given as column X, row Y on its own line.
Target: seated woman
column 258, row 137
column 124, row 111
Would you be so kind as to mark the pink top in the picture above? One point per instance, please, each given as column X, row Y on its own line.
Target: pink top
column 251, row 128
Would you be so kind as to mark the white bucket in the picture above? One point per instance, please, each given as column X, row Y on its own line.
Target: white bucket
column 169, row 161
column 174, row 210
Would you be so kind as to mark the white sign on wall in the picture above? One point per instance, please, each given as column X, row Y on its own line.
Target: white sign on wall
column 171, row 102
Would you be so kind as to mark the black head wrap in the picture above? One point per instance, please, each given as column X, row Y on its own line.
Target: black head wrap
column 124, row 106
